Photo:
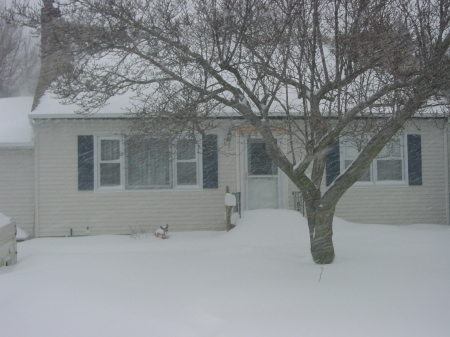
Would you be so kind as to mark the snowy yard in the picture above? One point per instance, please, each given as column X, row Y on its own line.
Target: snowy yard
column 257, row 280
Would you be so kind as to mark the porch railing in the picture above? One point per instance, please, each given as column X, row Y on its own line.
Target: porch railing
column 299, row 203
column 237, row 208
column 8, row 245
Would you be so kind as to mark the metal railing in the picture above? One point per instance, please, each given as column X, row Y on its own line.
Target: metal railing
column 299, row 203
column 237, row 208
column 8, row 244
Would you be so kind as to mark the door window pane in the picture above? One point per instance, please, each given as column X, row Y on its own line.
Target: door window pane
column 258, row 161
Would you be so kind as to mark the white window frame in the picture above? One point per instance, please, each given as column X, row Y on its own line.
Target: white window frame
column 98, row 161
column 197, row 160
column 281, row 203
column 373, row 166
column 122, row 187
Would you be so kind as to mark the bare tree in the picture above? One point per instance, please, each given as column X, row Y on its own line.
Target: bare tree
column 19, row 61
column 315, row 70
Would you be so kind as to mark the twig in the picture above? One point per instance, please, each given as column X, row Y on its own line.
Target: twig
column 321, row 271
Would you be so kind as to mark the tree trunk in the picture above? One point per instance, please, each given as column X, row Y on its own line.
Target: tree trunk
column 320, row 222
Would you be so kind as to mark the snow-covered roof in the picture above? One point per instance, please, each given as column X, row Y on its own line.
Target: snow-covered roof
column 51, row 107
column 15, row 128
column 4, row 220
column 120, row 106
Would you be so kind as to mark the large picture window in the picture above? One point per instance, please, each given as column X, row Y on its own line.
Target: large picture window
column 387, row 167
column 146, row 163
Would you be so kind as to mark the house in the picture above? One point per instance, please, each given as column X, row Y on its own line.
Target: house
column 77, row 176
column 81, row 175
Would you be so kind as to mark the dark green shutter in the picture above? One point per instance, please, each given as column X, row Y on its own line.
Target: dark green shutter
column 414, row 159
column 210, row 162
column 85, row 163
column 333, row 163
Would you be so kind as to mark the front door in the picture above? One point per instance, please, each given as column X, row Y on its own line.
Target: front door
column 261, row 177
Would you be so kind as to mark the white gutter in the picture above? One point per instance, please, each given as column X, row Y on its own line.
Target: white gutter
column 101, row 115
column 29, row 145
column 78, row 116
column 447, row 196
column 107, row 116
column 237, row 139
column 36, row 184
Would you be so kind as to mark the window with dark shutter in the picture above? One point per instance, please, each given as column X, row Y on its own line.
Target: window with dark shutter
column 414, row 160
column 210, row 162
column 333, row 163
column 85, row 163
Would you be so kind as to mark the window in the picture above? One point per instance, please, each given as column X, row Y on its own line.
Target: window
column 109, row 167
column 387, row 167
column 187, row 163
column 389, row 162
column 351, row 151
column 146, row 163
column 259, row 162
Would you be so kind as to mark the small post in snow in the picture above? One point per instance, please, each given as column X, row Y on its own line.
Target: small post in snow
column 230, row 202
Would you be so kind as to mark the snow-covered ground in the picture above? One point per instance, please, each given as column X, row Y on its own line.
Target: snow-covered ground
column 257, row 280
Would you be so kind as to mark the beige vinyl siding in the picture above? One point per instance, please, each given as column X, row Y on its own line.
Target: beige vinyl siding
column 405, row 204
column 62, row 207
column 17, row 186
column 402, row 204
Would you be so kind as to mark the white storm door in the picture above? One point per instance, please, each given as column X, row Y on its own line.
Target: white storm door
column 261, row 177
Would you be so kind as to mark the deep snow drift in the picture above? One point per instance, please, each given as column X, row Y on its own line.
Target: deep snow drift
column 257, row 280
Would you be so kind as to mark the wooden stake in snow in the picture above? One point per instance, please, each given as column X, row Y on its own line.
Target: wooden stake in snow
column 230, row 202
